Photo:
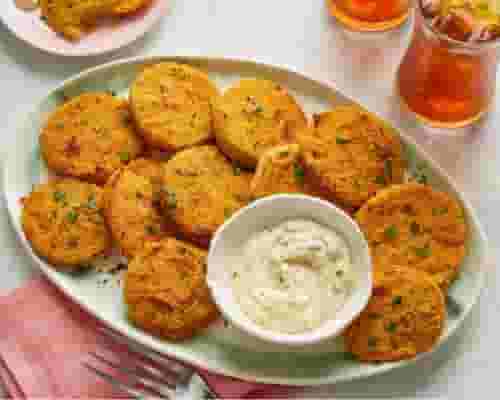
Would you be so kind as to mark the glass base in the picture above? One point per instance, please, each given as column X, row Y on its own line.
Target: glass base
column 442, row 124
column 365, row 26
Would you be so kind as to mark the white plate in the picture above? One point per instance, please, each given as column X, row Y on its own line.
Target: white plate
column 223, row 349
column 108, row 36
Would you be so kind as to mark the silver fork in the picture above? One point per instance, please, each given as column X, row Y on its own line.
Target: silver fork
column 147, row 374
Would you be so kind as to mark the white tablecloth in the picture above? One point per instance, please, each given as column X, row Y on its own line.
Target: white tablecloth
column 299, row 33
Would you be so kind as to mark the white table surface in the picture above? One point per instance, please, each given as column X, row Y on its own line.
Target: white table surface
column 298, row 33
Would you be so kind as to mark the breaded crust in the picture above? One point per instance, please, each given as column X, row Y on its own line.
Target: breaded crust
column 171, row 104
column 404, row 317
column 253, row 116
column 352, row 154
column 132, row 205
column 201, row 188
column 417, row 226
column 125, row 7
column 90, row 137
column 280, row 170
column 74, row 18
column 63, row 221
column 165, row 290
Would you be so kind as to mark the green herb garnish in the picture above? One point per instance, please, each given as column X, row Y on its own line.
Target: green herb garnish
column 397, row 300
column 236, row 170
column 92, row 204
column 259, row 109
column 423, row 252
column 171, row 200
column 391, row 232
column 342, row 140
column 72, row 216
column 124, row 156
column 380, row 180
column 299, row 173
column 391, row 327
column 59, row 196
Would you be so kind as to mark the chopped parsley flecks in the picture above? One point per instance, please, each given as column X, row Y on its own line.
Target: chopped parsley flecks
column 59, row 196
column 423, row 252
column 124, row 156
column 391, row 327
column 299, row 173
column 236, row 170
column 92, row 203
column 171, row 199
column 380, row 180
column 72, row 216
column 342, row 140
column 397, row 300
column 391, row 232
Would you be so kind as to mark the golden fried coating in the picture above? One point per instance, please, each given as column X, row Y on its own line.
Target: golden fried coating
column 171, row 104
column 352, row 154
column 253, row 116
column 73, row 18
column 165, row 290
column 90, row 137
column 417, row 226
column 64, row 223
column 125, row 7
column 280, row 170
column 132, row 205
column 404, row 317
column 201, row 189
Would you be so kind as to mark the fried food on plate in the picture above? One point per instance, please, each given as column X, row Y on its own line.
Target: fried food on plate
column 417, row 226
column 171, row 104
column 280, row 170
column 90, row 137
column 63, row 221
column 165, row 290
column 253, row 116
column 73, row 18
column 125, row 7
column 404, row 317
column 132, row 208
column 352, row 154
column 201, row 188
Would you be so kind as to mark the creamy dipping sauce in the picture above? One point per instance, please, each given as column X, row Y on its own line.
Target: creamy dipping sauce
column 294, row 277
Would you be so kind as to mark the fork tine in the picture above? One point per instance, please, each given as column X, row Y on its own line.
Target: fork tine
column 137, row 369
column 130, row 382
column 182, row 372
column 114, row 382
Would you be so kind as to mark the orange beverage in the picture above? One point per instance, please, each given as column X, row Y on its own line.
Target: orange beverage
column 370, row 15
column 447, row 77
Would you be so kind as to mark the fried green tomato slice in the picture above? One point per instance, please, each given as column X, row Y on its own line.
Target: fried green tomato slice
column 201, row 189
column 416, row 226
column 352, row 154
column 404, row 317
column 90, row 137
column 253, row 116
column 63, row 221
column 165, row 290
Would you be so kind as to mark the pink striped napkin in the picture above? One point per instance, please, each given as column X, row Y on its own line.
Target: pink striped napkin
column 44, row 338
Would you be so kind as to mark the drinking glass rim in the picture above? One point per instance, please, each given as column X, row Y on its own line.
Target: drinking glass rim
column 454, row 42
